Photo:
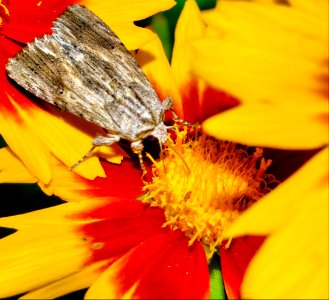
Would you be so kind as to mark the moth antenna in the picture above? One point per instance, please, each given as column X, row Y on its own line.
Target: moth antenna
column 82, row 158
column 179, row 120
column 186, row 124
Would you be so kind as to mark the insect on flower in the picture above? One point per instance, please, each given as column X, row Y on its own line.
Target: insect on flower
column 84, row 68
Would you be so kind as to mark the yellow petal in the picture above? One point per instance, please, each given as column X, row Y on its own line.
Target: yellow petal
column 309, row 5
column 132, row 36
column 304, row 189
column 66, row 136
column 269, row 125
column 53, row 215
column 151, row 57
column 265, row 52
column 77, row 281
column 12, row 169
column 27, row 146
column 21, row 268
column 46, row 249
column 67, row 185
column 255, row 75
column 189, row 27
column 68, row 142
column 293, row 262
column 105, row 286
column 112, row 11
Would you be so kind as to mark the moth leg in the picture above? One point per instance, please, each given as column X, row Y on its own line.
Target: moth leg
column 137, row 148
column 167, row 104
column 98, row 141
column 107, row 140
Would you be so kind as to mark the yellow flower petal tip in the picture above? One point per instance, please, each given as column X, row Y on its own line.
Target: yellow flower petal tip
column 268, row 126
column 12, row 169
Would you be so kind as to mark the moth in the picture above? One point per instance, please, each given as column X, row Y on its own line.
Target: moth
column 84, row 68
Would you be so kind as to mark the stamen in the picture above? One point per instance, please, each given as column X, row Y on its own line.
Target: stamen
column 205, row 185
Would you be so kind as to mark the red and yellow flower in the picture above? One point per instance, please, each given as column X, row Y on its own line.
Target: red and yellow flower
column 120, row 247
column 273, row 57
column 105, row 238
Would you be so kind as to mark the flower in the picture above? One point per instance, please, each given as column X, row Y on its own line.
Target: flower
column 287, row 93
column 273, row 57
column 106, row 239
column 94, row 239
column 120, row 247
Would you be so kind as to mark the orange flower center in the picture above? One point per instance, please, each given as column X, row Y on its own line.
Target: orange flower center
column 203, row 185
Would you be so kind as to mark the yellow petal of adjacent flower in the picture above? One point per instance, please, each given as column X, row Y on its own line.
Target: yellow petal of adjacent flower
column 286, row 201
column 267, row 53
column 293, row 262
column 189, row 27
column 269, row 125
column 309, row 5
column 151, row 57
column 259, row 75
column 113, row 11
column 12, row 169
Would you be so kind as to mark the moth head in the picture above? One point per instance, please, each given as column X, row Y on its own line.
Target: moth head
column 161, row 133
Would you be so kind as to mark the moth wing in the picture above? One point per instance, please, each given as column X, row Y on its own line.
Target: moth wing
column 84, row 68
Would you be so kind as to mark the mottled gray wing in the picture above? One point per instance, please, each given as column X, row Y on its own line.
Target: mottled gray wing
column 85, row 69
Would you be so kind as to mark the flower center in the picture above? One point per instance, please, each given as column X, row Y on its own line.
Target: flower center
column 203, row 185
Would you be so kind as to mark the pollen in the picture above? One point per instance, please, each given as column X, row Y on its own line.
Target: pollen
column 203, row 185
